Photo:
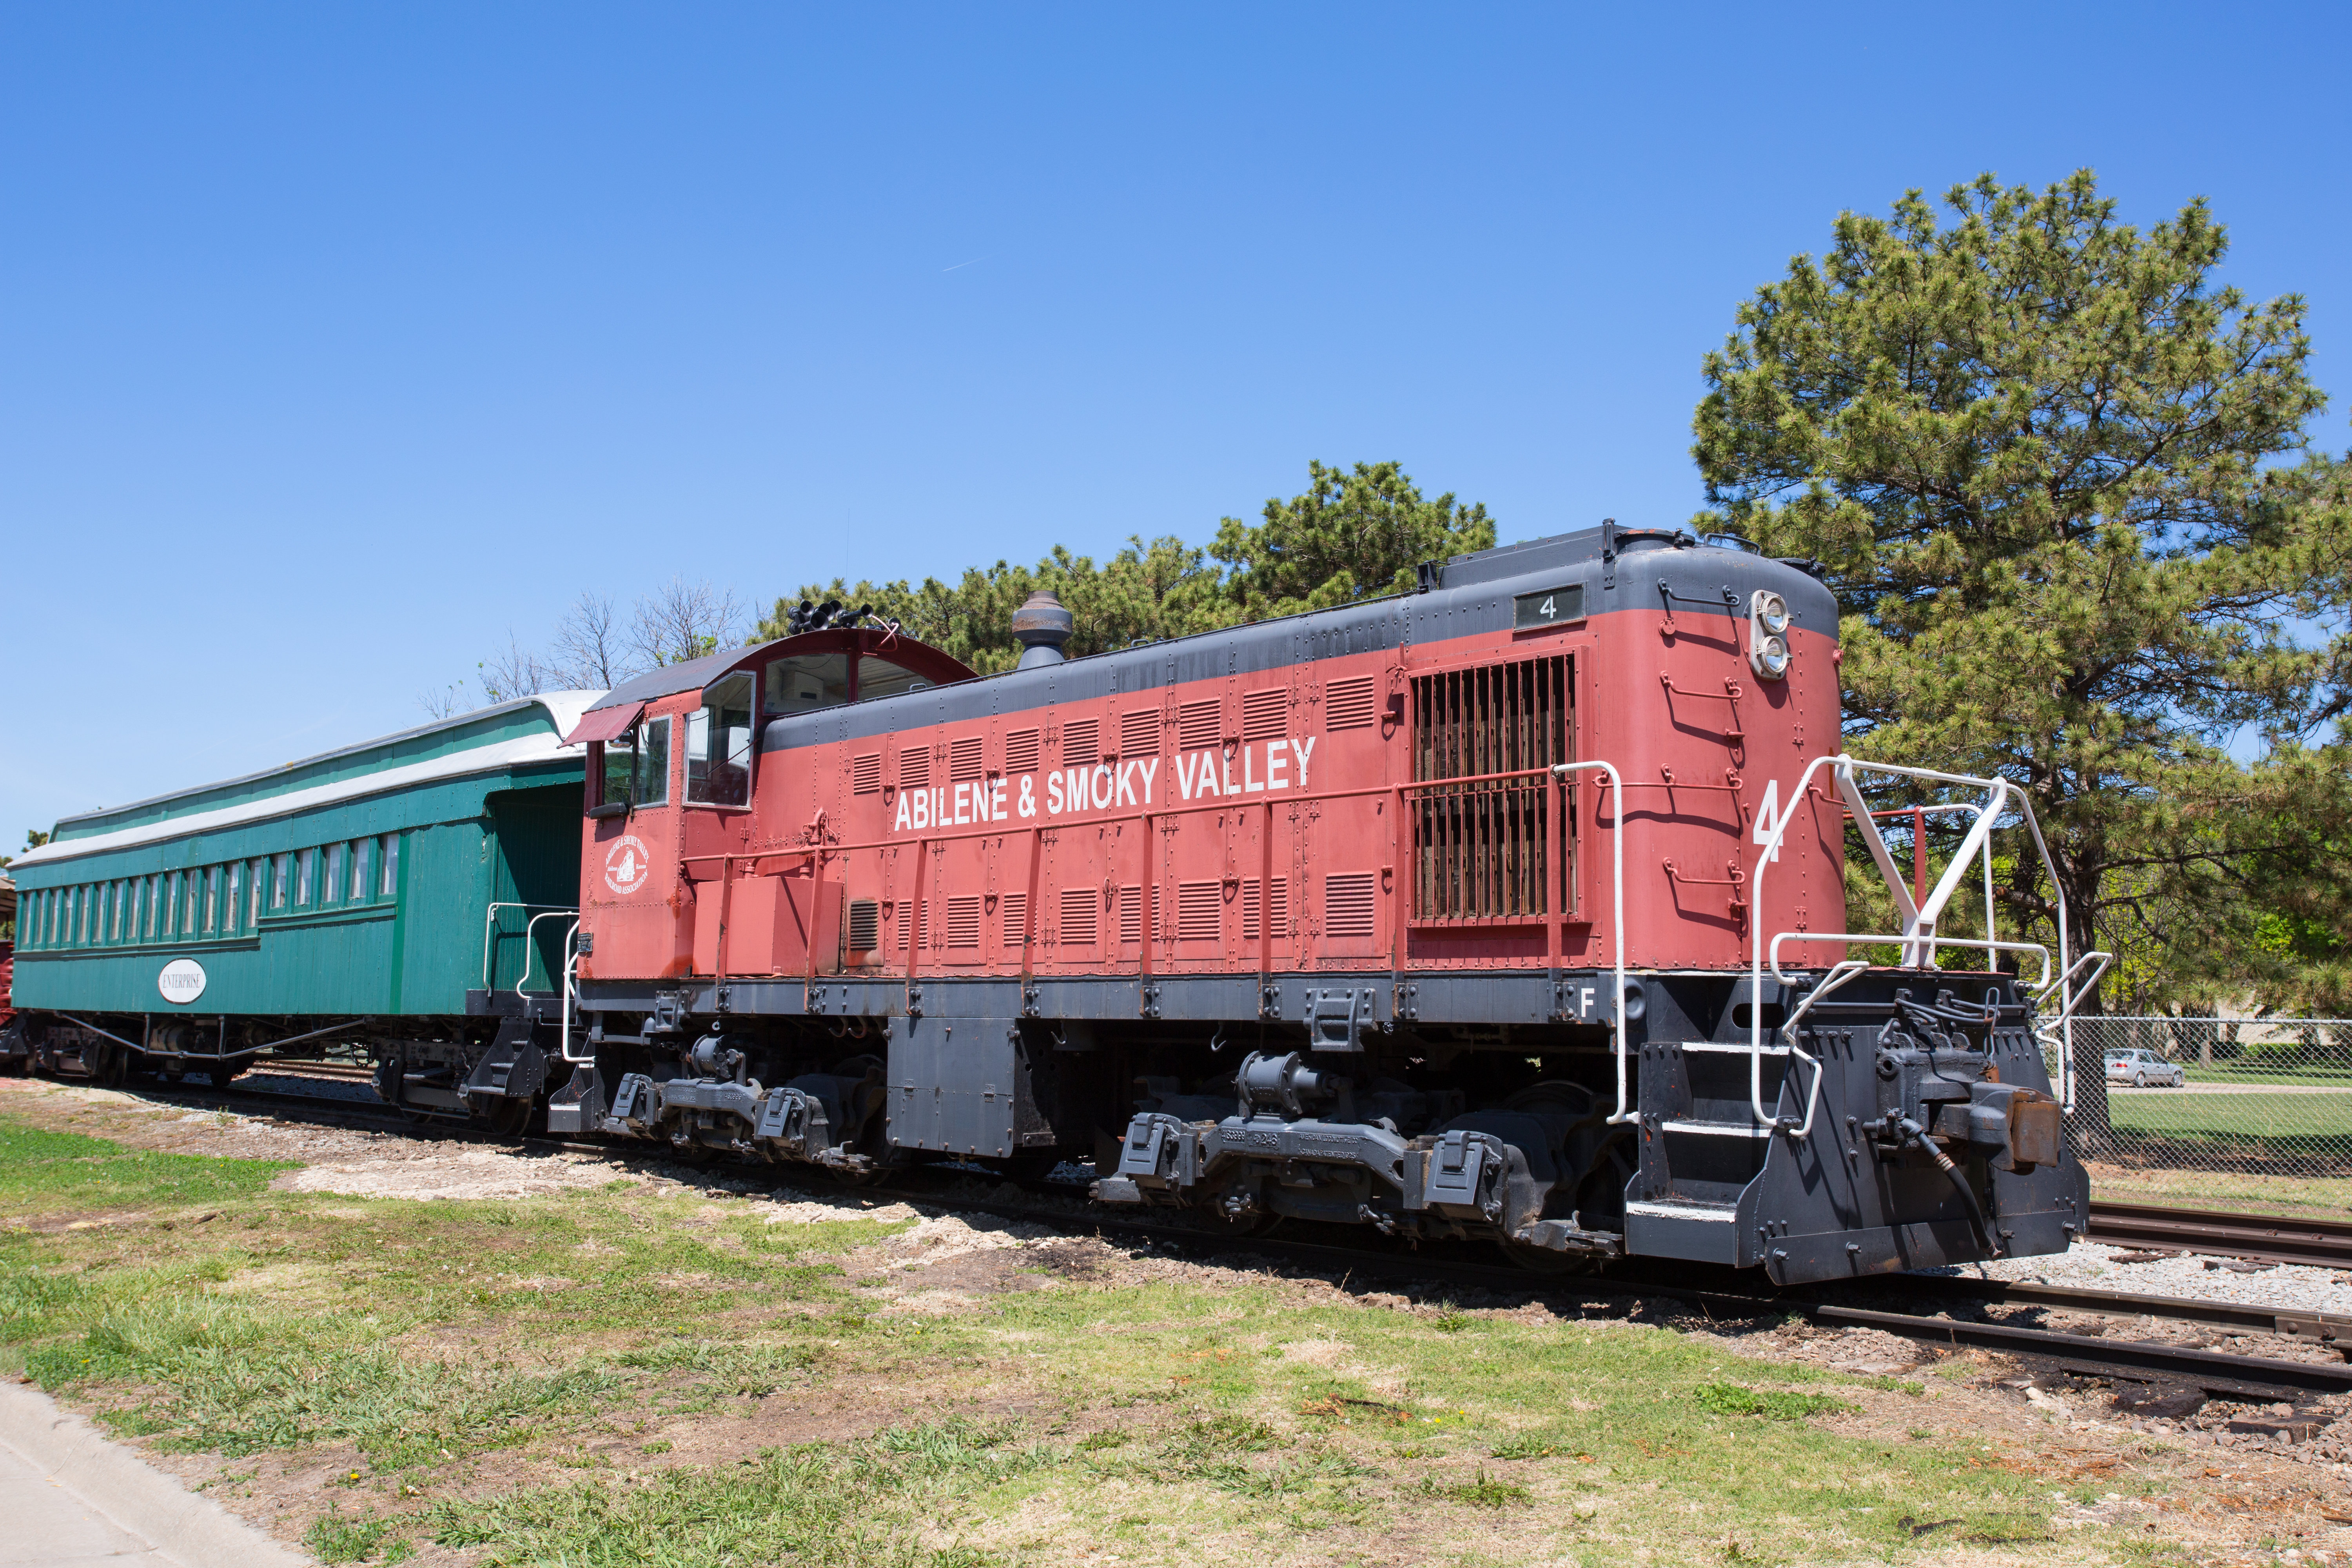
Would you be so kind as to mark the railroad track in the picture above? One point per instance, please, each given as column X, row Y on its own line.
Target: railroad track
column 2215, row 1373
column 2267, row 1238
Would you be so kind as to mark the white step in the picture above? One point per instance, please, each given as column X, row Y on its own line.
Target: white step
column 1718, row 1129
column 1683, row 1208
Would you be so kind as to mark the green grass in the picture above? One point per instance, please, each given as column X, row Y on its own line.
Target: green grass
column 572, row 1339
column 2272, row 1118
column 44, row 1172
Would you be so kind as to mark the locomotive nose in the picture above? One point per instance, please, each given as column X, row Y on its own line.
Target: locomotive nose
column 1041, row 626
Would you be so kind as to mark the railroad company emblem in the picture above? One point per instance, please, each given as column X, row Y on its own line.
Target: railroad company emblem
column 627, row 865
column 182, row 982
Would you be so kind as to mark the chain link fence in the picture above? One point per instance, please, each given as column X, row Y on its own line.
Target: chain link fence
column 2238, row 1112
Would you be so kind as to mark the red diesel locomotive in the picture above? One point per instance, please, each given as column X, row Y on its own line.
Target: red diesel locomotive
column 1513, row 909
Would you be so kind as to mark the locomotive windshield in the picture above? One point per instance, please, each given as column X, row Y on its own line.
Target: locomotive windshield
column 880, row 678
column 806, row 682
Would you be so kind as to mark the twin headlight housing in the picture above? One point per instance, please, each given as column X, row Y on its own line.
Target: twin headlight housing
column 1768, row 634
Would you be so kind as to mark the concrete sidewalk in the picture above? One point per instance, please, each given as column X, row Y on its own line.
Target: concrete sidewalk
column 70, row 1499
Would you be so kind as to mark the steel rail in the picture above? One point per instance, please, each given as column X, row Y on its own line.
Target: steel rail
column 2269, row 1238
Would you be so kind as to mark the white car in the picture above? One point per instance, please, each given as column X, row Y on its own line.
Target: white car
column 2141, row 1067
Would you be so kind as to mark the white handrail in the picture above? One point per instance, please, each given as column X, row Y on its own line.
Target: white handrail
column 1919, row 940
column 2041, row 986
column 1617, row 892
column 490, row 920
column 527, row 950
column 570, row 983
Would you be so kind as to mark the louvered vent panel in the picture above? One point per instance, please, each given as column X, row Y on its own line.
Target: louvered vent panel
column 1021, row 752
column 1199, row 726
column 1200, row 911
column 1015, row 908
column 1265, row 715
column 914, row 769
column 866, row 773
column 963, row 923
column 1138, row 733
column 1130, row 914
column 1347, row 904
column 907, row 922
column 1281, row 909
column 1347, row 704
column 1081, row 907
column 1480, row 850
column 1081, row 743
column 865, row 924
column 964, row 757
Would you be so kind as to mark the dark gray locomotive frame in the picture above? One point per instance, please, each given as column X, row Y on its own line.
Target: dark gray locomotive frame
column 1312, row 1095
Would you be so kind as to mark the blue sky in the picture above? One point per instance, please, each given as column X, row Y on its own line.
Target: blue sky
column 338, row 341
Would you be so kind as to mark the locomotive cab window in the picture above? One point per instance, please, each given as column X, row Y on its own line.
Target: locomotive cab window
column 880, row 678
column 634, row 771
column 719, row 745
column 806, row 682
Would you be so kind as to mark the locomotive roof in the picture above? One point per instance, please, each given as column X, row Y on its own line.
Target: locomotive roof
column 440, row 750
column 1503, row 562
column 1463, row 595
column 694, row 674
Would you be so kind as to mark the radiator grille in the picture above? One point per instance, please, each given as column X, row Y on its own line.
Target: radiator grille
column 866, row 773
column 1080, row 909
column 965, row 759
column 1138, row 733
column 964, row 922
column 1281, row 909
column 1480, row 850
column 908, row 920
column 865, row 924
column 1200, row 911
column 1021, row 752
column 1347, row 704
column 1347, row 904
column 1265, row 715
column 1015, row 907
column 1199, row 726
column 914, row 769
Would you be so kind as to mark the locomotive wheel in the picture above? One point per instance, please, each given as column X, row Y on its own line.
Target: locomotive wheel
column 108, row 1067
column 222, row 1074
column 505, row 1118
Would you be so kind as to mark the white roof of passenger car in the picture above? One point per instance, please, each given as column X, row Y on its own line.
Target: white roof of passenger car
column 564, row 707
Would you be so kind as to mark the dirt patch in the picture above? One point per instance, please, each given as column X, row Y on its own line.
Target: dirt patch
column 434, row 1172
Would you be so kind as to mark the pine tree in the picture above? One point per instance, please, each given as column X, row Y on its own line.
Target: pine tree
column 1351, row 534
column 2037, row 452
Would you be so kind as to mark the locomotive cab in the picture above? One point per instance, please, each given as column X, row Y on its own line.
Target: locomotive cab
column 673, row 771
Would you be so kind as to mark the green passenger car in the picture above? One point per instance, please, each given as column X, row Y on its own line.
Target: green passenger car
column 388, row 890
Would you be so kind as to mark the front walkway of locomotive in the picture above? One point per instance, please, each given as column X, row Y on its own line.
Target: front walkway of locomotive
column 1511, row 910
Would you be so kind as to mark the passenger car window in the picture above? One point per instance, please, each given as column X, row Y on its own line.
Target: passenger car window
column 880, row 678
column 806, row 682
column 719, row 745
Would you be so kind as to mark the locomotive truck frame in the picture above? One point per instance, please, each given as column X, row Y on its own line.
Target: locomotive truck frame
column 1511, row 908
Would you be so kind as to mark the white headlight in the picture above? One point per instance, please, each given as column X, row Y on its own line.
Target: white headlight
column 1772, row 658
column 1772, row 613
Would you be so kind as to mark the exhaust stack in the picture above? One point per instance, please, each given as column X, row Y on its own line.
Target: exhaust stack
column 1041, row 625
